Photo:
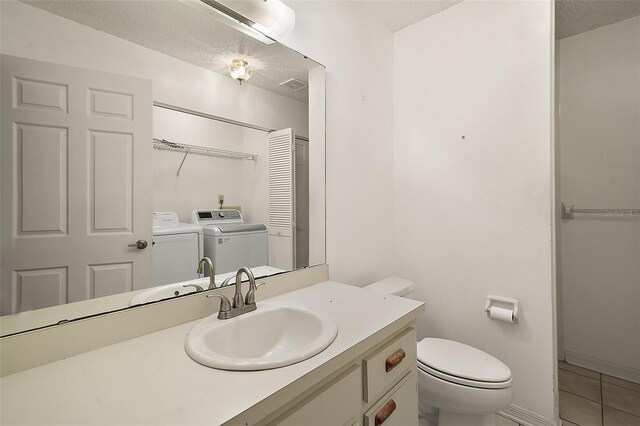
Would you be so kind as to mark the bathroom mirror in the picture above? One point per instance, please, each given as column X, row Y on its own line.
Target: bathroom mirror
column 167, row 129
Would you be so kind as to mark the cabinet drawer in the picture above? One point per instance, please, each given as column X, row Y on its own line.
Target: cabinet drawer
column 337, row 404
column 399, row 407
column 385, row 367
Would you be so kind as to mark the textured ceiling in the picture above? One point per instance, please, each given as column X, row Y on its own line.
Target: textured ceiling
column 577, row 16
column 177, row 30
column 397, row 14
column 572, row 16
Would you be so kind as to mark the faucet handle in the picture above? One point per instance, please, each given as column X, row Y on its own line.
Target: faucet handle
column 196, row 286
column 225, row 304
column 251, row 297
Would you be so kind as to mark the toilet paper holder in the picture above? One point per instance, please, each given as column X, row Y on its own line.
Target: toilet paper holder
column 506, row 302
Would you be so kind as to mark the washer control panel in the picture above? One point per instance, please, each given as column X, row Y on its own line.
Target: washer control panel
column 217, row 216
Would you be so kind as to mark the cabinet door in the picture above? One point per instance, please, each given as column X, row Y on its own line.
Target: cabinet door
column 337, row 404
column 399, row 407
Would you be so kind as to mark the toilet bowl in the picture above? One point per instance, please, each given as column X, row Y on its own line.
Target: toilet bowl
column 467, row 385
column 458, row 385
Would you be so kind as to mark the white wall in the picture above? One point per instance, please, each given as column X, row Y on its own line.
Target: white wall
column 33, row 33
column 472, row 163
column 357, row 51
column 599, row 140
column 201, row 178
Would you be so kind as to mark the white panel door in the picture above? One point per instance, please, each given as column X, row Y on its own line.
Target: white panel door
column 76, row 187
column 281, row 229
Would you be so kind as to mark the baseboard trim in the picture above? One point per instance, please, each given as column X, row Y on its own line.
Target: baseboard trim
column 526, row 417
column 602, row 366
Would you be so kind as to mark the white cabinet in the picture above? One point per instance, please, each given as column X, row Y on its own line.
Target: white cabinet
column 378, row 388
column 399, row 407
column 337, row 404
column 386, row 366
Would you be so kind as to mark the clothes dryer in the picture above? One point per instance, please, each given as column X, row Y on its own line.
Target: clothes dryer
column 176, row 249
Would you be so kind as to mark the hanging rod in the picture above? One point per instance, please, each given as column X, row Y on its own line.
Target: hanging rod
column 166, row 145
column 568, row 211
column 211, row 116
column 218, row 118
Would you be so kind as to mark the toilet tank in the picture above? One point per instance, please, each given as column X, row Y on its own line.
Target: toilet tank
column 392, row 285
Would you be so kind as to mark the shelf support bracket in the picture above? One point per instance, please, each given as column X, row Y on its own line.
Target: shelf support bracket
column 181, row 163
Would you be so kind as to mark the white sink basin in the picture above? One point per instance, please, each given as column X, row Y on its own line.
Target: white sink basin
column 274, row 335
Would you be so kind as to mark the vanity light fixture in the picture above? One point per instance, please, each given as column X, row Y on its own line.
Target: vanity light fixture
column 264, row 20
column 228, row 17
column 271, row 17
column 240, row 70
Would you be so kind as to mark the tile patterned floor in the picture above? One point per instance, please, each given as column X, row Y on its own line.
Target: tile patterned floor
column 588, row 398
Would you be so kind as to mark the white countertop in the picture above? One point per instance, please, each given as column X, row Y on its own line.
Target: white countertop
column 151, row 379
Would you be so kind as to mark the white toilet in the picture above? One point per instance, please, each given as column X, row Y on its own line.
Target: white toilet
column 458, row 385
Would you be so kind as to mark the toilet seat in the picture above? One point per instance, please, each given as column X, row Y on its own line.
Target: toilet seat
column 462, row 381
column 462, row 364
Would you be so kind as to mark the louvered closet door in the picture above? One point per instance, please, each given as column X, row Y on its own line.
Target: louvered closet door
column 76, row 150
column 282, row 241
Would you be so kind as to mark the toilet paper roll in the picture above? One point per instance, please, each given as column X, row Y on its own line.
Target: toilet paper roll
column 501, row 314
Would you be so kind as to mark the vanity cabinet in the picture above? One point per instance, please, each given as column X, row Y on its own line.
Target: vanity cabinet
column 386, row 366
column 399, row 407
column 367, row 376
column 378, row 388
column 335, row 404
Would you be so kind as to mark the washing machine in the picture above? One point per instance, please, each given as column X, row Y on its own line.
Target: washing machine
column 176, row 249
column 229, row 241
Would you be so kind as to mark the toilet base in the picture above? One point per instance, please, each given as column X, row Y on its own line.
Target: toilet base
column 428, row 415
column 450, row 418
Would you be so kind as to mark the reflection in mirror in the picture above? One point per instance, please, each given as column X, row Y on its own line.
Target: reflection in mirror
column 129, row 153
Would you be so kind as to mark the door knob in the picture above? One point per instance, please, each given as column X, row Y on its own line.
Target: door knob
column 140, row 244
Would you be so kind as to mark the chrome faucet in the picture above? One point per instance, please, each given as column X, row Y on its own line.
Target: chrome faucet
column 240, row 305
column 238, row 300
column 196, row 286
column 212, row 271
column 251, row 294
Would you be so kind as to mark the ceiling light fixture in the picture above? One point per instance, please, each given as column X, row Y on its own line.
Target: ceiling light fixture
column 240, row 70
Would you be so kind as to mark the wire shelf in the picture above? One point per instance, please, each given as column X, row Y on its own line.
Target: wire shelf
column 166, row 145
column 185, row 149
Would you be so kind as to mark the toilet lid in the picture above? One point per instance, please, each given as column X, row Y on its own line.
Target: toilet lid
column 463, row 364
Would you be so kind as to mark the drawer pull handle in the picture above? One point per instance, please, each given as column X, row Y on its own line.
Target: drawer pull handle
column 395, row 359
column 386, row 411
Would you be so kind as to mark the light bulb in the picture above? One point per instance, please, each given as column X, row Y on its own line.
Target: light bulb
column 240, row 70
